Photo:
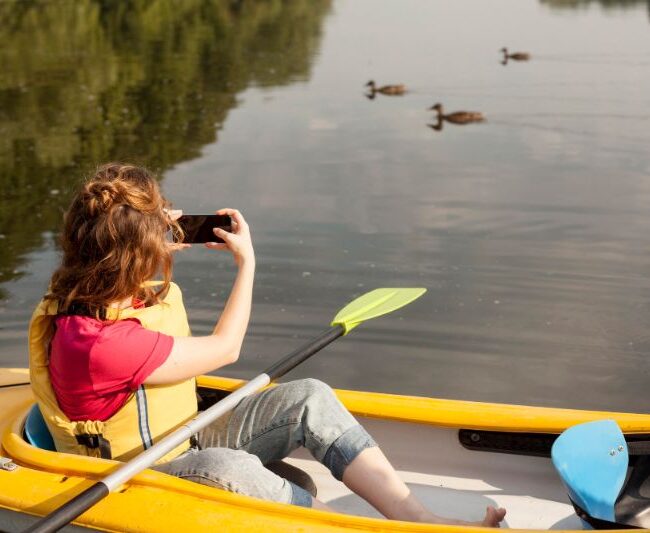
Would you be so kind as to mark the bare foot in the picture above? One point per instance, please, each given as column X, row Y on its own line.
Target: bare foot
column 493, row 517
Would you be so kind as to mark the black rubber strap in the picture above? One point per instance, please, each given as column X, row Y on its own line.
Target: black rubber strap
column 639, row 447
column 94, row 441
column 104, row 448
column 83, row 309
column 194, row 443
column 598, row 523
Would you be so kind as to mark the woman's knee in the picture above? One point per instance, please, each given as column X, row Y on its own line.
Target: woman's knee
column 310, row 389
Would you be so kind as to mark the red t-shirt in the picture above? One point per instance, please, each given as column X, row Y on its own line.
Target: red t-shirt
column 96, row 365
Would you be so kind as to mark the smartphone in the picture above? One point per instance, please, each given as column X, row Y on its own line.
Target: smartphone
column 198, row 228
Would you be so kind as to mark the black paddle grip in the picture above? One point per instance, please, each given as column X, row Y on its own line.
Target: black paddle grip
column 71, row 510
column 296, row 357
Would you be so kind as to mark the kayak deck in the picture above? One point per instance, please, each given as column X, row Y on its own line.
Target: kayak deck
column 456, row 482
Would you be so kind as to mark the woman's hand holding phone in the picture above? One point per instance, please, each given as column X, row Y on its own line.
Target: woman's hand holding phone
column 238, row 241
column 193, row 356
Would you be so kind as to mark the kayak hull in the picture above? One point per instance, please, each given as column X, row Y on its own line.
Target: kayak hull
column 419, row 435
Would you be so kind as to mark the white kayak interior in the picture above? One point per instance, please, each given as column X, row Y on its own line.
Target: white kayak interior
column 455, row 482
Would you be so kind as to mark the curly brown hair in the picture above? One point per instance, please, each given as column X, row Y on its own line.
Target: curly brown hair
column 113, row 241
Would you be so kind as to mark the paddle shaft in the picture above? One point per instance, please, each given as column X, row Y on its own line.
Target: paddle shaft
column 83, row 501
column 296, row 357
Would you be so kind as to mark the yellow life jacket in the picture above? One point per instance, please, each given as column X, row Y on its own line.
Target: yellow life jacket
column 148, row 415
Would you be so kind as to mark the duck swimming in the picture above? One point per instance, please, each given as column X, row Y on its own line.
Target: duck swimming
column 458, row 117
column 390, row 90
column 516, row 56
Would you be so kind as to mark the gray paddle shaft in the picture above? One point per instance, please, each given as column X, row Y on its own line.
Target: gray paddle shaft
column 184, row 432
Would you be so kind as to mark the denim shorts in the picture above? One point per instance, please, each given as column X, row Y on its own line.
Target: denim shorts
column 267, row 427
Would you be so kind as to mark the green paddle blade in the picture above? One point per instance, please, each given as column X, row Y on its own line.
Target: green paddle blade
column 373, row 304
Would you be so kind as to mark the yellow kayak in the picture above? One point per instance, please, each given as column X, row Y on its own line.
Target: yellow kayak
column 457, row 456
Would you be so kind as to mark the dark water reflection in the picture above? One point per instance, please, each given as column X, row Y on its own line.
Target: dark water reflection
column 531, row 230
column 151, row 82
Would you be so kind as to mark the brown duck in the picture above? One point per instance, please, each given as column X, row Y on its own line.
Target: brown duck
column 390, row 90
column 458, row 117
column 516, row 56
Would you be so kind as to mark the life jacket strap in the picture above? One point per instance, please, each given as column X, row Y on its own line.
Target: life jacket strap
column 94, row 441
column 83, row 309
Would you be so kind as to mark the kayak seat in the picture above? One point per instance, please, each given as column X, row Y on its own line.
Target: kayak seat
column 593, row 460
column 36, row 432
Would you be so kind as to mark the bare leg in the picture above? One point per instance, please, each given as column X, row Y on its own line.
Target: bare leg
column 372, row 477
column 317, row 504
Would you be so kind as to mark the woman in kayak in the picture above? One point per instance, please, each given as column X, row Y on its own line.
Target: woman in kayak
column 113, row 365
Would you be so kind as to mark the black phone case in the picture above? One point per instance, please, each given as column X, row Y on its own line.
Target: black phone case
column 199, row 228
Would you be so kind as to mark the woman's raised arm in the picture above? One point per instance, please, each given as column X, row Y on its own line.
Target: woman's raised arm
column 193, row 356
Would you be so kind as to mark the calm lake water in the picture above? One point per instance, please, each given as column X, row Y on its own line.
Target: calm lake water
column 531, row 231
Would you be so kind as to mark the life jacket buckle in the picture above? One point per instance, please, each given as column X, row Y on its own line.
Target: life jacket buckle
column 94, row 441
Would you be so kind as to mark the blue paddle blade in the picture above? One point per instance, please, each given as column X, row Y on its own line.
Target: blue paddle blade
column 592, row 461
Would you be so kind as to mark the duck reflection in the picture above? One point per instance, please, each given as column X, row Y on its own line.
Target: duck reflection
column 514, row 56
column 388, row 90
column 457, row 117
